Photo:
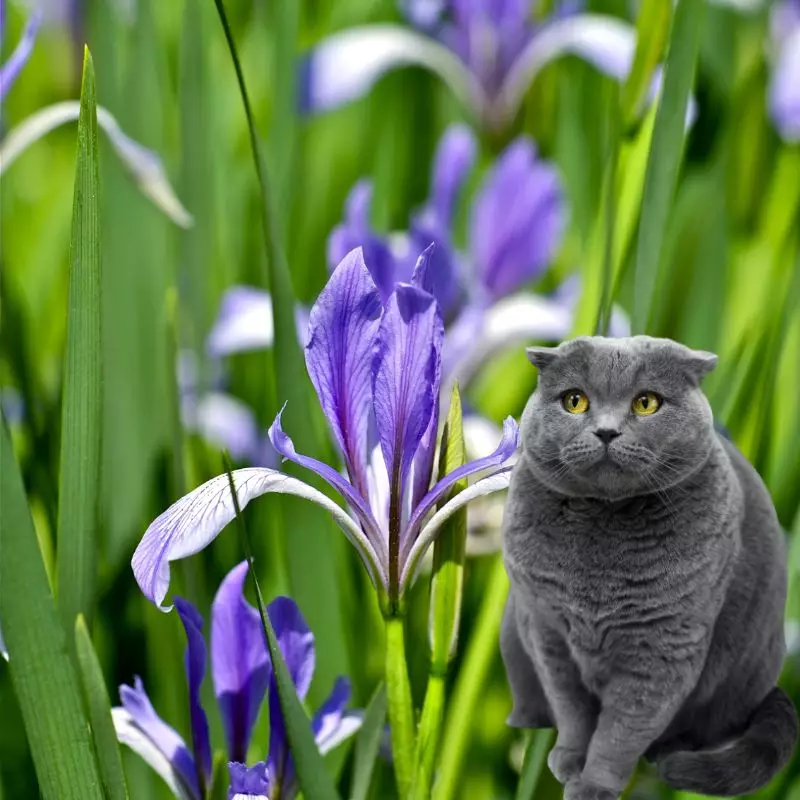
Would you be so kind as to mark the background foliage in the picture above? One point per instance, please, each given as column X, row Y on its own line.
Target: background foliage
column 726, row 280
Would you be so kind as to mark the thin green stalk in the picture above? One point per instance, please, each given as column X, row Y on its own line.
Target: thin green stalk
column 539, row 745
column 481, row 652
column 430, row 732
column 401, row 708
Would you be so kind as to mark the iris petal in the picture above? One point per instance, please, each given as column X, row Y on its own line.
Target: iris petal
column 130, row 734
column 405, row 369
column 784, row 91
column 331, row 725
column 455, row 157
column 345, row 66
column 194, row 521
column 137, row 719
column 493, row 483
column 240, row 662
column 503, row 452
column 341, row 330
column 244, row 322
column 11, row 69
column 195, row 673
column 284, row 445
column 248, row 783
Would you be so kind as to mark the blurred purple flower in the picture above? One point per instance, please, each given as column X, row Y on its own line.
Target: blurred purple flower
column 376, row 368
column 16, row 61
column 487, row 51
column 784, row 90
column 243, row 676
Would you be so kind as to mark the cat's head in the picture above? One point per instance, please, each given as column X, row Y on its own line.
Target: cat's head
column 615, row 418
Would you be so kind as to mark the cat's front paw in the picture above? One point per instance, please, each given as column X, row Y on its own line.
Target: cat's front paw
column 565, row 763
column 578, row 789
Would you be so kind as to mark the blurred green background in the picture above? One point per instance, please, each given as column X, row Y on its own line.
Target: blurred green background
column 727, row 282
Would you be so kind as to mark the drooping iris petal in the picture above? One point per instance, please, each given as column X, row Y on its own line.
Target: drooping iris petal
column 357, row 501
column 479, row 334
column 517, row 220
column 504, row 451
column 346, row 65
column 454, row 159
column 331, row 724
column 784, row 91
column 341, row 330
column 194, row 521
column 144, row 165
column 423, row 14
column 356, row 231
column 240, row 663
column 142, row 718
column 195, row 672
column 296, row 643
column 607, row 43
column 130, row 734
column 11, row 69
column 405, row 367
column 493, row 483
column 249, row 783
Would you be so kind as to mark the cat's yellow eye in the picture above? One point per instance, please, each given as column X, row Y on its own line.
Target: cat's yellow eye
column 645, row 404
column 575, row 401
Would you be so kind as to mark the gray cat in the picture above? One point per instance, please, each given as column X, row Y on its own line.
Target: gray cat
column 648, row 578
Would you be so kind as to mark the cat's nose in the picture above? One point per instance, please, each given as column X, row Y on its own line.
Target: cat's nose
column 606, row 435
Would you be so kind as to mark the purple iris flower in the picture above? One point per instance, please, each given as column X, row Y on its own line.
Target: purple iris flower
column 243, row 676
column 376, row 368
column 487, row 51
column 784, row 90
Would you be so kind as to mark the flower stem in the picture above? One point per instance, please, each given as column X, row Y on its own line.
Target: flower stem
column 430, row 732
column 401, row 709
column 481, row 652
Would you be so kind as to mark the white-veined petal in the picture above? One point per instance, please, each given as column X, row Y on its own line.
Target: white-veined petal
column 493, row 483
column 348, row 725
column 145, row 166
column 194, row 521
column 346, row 65
column 128, row 733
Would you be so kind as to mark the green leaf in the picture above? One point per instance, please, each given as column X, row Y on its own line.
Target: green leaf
column 310, row 545
column 652, row 30
column 470, row 684
column 400, row 704
column 533, row 764
column 42, row 674
column 312, row 775
column 449, row 549
column 665, row 154
column 98, row 707
column 82, row 409
column 368, row 744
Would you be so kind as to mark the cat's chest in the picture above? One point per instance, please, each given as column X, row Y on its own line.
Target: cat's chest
column 597, row 566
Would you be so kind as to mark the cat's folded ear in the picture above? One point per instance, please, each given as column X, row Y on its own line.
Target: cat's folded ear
column 541, row 357
column 697, row 363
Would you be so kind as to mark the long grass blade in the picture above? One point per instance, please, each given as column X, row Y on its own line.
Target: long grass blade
column 368, row 744
column 83, row 398
column 665, row 154
column 533, row 764
column 312, row 774
column 45, row 683
column 98, row 708
column 310, row 544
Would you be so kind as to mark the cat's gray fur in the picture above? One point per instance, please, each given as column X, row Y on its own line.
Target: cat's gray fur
column 648, row 580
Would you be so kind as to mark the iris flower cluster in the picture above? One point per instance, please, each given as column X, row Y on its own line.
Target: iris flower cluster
column 243, row 677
